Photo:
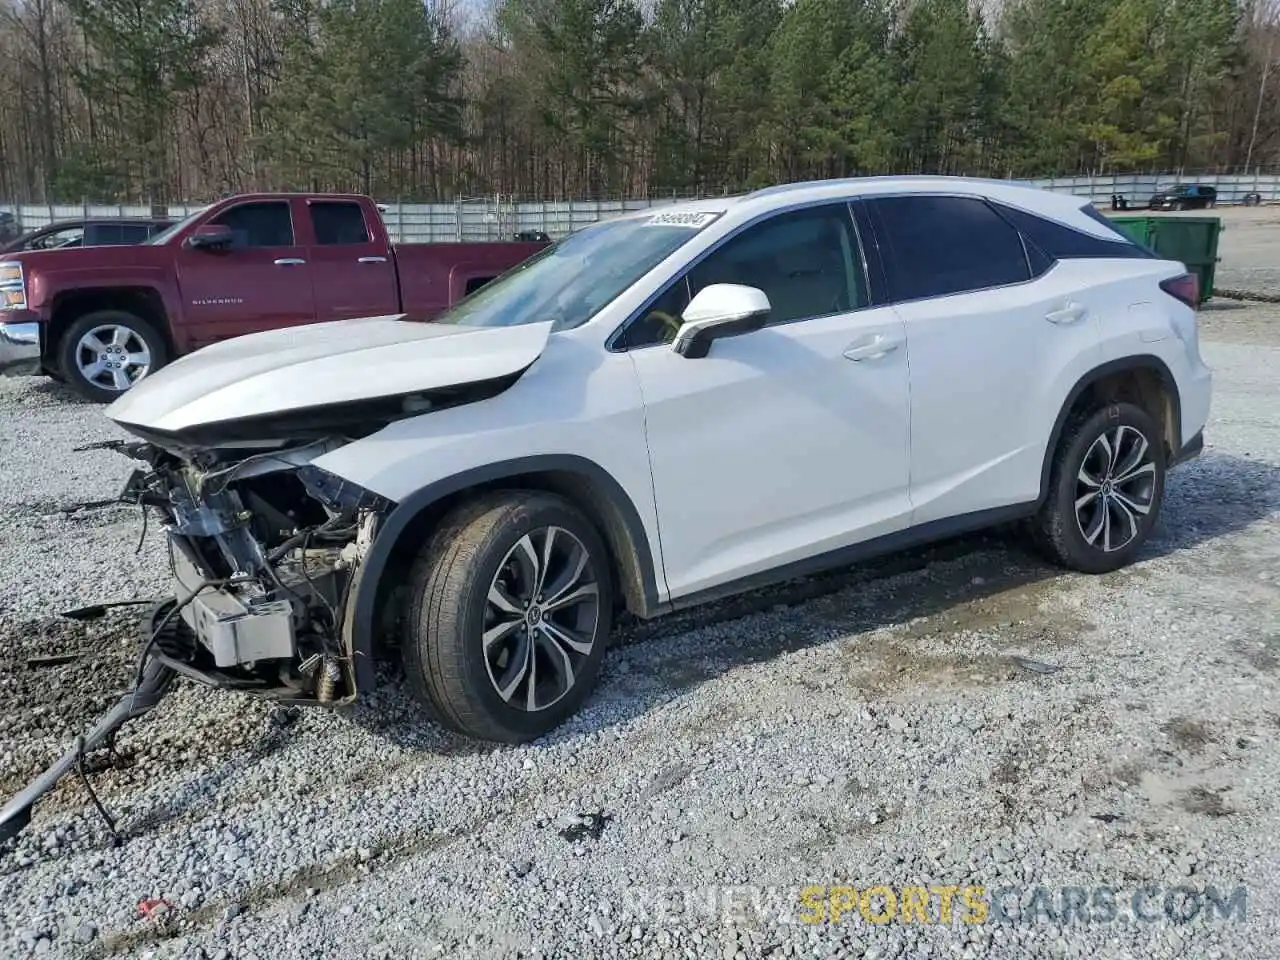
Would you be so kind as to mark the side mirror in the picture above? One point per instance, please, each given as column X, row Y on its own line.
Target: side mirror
column 719, row 310
column 211, row 236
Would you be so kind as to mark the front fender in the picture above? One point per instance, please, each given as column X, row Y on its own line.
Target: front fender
column 48, row 292
column 622, row 525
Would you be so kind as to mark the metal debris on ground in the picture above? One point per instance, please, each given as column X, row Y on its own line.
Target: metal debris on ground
column 1036, row 666
column 53, row 660
column 96, row 610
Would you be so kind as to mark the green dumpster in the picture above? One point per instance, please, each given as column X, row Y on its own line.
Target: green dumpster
column 1191, row 240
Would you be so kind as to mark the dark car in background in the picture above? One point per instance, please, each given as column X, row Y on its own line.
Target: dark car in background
column 94, row 232
column 8, row 226
column 1184, row 196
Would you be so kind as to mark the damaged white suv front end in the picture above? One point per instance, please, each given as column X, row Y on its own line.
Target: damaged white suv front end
column 264, row 543
column 266, row 547
column 261, row 551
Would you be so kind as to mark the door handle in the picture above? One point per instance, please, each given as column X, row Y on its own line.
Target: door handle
column 372, row 260
column 1071, row 313
column 289, row 262
column 873, row 348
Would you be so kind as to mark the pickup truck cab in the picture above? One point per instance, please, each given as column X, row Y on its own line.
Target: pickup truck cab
column 102, row 318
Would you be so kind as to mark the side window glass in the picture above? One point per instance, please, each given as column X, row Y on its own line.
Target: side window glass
column 259, row 224
column 943, row 245
column 807, row 262
column 134, row 232
column 339, row 223
column 661, row 319
column 102, row 235
column 1061, row 242
column 67, row 237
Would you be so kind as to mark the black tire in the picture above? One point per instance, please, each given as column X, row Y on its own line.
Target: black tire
column 69, row 350
column 444, row 657
column 1062, row 531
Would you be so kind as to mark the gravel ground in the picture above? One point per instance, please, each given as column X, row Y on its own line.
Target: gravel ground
column 1247, row 247
column 960, row 716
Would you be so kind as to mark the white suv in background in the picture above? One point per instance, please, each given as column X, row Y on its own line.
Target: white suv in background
column 663, row 408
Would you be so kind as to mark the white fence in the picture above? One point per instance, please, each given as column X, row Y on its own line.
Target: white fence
column 500, row 218
column 1137, row 188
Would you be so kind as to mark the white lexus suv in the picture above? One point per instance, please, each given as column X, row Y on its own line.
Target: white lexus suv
column 663, row 408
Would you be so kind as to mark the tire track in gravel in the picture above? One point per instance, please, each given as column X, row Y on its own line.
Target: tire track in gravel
column 382, row 855
column 320, row 877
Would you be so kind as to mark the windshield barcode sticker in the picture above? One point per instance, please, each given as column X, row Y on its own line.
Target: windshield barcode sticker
column 694, row 221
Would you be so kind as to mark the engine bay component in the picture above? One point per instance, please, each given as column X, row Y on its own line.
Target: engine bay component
column 234, row 629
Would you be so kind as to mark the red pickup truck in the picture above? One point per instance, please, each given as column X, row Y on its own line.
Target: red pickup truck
column 101, row 318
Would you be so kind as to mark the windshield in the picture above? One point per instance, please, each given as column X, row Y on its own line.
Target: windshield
column 163, row 236
column 570, row 282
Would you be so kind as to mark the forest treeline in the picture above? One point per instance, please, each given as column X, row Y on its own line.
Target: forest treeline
column 168, row 100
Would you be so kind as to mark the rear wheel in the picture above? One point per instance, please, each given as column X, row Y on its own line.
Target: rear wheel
column 1105, row 489
column 105, row 353
column 511, row 604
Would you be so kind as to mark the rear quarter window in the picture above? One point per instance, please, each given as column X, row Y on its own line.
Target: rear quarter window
column 1061, row 242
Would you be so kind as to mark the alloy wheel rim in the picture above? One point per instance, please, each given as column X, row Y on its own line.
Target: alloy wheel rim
column 112, row 357
column 1115, row 488
column 541, row 617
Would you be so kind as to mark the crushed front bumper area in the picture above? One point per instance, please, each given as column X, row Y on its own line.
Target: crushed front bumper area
column 262, row 553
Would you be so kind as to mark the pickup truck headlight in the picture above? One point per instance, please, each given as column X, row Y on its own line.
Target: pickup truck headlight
column 13, row 288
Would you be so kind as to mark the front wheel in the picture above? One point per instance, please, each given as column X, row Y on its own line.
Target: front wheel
column 1105, row 489
column 105, row 353
column 510, row 611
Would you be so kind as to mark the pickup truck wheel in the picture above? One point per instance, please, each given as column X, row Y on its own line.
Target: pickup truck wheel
column 105, row 353
column 509, row 617
column 1105, row 489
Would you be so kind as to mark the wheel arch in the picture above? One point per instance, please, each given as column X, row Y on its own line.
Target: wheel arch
column 581, row 481
column 1143, row 379
column 144, row 302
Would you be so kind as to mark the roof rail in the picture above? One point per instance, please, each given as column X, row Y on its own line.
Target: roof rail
column 908, row 177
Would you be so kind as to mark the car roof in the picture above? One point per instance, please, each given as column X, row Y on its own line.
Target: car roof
column 85, row 221
column 1064, row 207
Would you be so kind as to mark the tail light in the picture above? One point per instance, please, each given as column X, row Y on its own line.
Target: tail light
column 1185, row 288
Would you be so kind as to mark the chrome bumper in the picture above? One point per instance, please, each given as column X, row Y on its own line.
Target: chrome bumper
column 19, row 349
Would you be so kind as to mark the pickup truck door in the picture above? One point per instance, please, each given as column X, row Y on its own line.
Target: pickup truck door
column 353, row 271
column 262, row 282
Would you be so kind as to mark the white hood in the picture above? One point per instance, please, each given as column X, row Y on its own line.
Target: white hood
column 321, row 364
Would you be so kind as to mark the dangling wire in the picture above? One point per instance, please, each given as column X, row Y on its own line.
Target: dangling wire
column 142, row 538
column 116, row 839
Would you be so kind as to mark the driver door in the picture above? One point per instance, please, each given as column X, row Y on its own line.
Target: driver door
column 783, row 444
column 262, row 282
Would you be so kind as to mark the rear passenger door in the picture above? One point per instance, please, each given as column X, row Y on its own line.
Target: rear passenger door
column 992, row 328
column 353, row 273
